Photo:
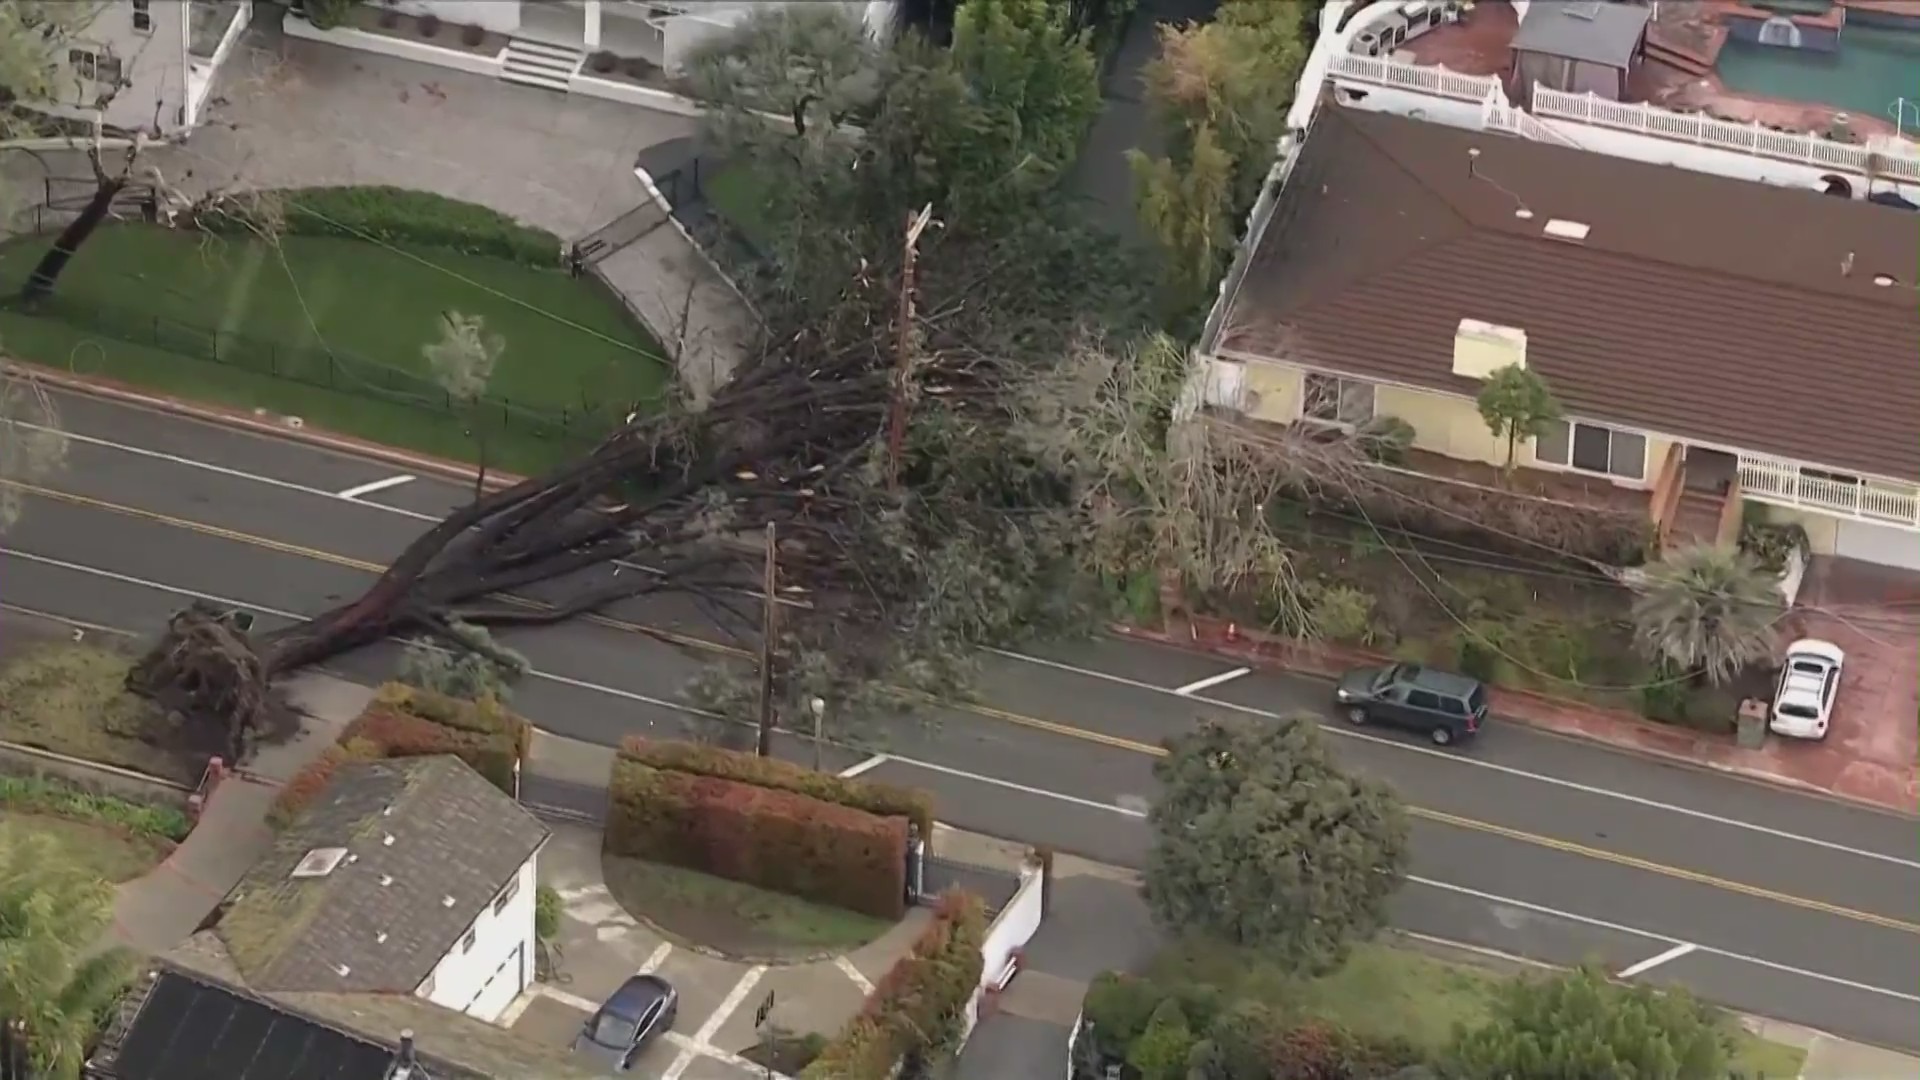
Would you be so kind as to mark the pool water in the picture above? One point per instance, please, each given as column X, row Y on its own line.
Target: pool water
column 1872, row 70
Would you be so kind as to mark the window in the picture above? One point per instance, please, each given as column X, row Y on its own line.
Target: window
column 466, row 943
column 1453, row 706
column 1592, row 448
column 1423, row 699
column 1334, row 400
column 143, row 16
column 506, row 895
column 94, row 67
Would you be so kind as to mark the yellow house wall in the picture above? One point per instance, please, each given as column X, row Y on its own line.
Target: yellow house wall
column 1450, row 425
column 1279, row 390
column 1823, row 530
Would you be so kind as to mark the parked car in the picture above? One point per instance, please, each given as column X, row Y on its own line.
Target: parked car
column 643, row 1008
column 1449, row 708
column 1809, row 684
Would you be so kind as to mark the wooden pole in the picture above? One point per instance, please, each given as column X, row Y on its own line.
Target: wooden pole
column 769, row 609
column 903, row 343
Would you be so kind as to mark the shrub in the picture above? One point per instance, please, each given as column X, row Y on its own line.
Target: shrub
column 1386, row 439
column 298, row 793
column 37, row 794
column 485, row 716
column 325, row 14
column 1344, row 613
column 547, row 909
column 403, row 216
column 917, row 1008
column 1317, row 1050
column 472, row 34
column 763, row 836
column 603, row 61
column 1120, row 1006
column 883, row 800
column 1161, row 1051
column 429, row 26
column 401, row 734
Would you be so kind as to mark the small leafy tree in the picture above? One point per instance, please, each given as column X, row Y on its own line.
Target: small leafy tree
column 32, row 442
column 462, row 360
column 1261, row 841
column 55, row 982
column 1033, row 77
column 1580, row 1025
column 1708, row 611
column 478, row 668
column 1161, row 1051
column 1187, row 207
column 1517, row 404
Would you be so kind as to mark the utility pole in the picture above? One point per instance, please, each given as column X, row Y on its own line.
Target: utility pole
column 769, row 609
column 903, row 343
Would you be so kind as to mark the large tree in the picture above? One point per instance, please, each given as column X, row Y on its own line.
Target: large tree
column 1581, row 1025
column 1261, row 840
column 55, row 981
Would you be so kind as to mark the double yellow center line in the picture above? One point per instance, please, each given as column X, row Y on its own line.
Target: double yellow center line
column 1002, row 715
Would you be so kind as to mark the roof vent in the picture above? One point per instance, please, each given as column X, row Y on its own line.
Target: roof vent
column 1885, row 281
column 447, row 901
column 387, row 840
column 380, row 938
column 342, row 970
column 319, row 862
column 1562, row 229
column 386, row 879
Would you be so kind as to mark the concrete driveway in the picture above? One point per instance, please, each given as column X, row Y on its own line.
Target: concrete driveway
column 291, row 113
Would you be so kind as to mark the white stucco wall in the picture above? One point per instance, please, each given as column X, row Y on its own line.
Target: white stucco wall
column 484, row 980
column 500, row 16
column 154, row 62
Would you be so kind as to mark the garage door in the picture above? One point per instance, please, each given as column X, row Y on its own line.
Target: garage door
column 1883, row 544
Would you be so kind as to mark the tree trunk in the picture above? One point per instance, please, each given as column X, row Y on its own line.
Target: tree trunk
column 47, row 271
column 480, row 475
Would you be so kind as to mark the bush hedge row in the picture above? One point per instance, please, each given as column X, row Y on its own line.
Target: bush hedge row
column 698, row 759
column 404, row 721
column 917, row 1008
column 397, row 216
column 776, row 839
column 57, row 797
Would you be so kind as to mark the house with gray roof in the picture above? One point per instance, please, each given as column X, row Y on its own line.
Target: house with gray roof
column 413, row 876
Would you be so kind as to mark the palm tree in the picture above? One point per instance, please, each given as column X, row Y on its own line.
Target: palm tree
column 1708, row 611
column 55, row 981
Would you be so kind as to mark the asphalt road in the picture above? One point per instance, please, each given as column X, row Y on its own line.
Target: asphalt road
column 1782, row 904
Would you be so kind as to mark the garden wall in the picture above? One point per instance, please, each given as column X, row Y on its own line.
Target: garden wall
column 33, row 763
column 1011, row 929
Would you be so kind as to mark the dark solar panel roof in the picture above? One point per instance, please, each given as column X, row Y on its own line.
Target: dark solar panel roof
column 188, row 1030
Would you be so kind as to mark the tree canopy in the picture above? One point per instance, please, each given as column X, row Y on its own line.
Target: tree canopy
column 1707, row 611
column 55, row 981
column 1516, row 404
column 1581, row 1025
column 1262, row 841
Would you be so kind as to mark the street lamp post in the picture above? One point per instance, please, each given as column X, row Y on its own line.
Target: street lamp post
column 818, row 707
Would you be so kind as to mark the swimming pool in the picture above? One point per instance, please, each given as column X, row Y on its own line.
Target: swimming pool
column 1872, row 69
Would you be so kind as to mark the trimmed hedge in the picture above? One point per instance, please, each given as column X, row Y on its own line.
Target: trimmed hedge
column 402, row 216
column 697, row 759
column 404, row 721
column 779, row 840
column 917, row 1007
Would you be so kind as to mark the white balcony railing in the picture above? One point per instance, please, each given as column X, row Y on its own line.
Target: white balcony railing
column 1426, row 78
column 1500, row 115
column 1789, row 484
column 1896, row 159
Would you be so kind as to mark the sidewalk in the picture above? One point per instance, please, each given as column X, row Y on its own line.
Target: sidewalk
column 1825, row 768
column 159, row 910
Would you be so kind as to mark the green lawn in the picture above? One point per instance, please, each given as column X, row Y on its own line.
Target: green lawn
column 732, row 918
column 98, row 850
column 1387, row 991
column 231, row 321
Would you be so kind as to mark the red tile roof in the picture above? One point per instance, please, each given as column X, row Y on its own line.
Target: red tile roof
column 1725, row 311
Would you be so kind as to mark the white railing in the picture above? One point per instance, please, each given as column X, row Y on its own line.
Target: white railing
column 1499, row 114
column 1775, row 480
column 1895, row 159
column 1427, row 78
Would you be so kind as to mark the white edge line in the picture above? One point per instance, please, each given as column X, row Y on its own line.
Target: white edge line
column 656, row 958
column 1462, row 890
column 1507, row 770
column 1198, row 685
column 853, row 974
column 873, row 762
column 353, row 494
column 1602, row 924
column 565, row 998
column 1457, row 759
column 1652, row 962
column 729, row 1005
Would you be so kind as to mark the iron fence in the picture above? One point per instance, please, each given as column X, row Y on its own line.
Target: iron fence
column 318, row 366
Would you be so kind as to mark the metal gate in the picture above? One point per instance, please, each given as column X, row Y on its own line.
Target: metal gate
column 929, row 875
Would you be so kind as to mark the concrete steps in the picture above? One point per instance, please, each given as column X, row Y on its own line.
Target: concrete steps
column 538, row 63
column 1696, row 520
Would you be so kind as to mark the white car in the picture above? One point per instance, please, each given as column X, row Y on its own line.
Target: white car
column 1809, row 683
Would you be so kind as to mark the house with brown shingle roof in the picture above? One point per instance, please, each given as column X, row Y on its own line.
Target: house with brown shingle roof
column 1712, row 340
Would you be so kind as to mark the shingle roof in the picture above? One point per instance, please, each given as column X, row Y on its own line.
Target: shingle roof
column 1725, row 311
column 454, row 835
column 1592, row 31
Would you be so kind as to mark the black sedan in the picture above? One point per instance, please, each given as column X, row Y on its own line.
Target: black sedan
column 643, row 1008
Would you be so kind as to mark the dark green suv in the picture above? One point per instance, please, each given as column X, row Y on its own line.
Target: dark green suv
column 1449, row 708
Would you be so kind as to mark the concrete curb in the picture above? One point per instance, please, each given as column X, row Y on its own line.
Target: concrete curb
column 1129, row 632
column 110, row 390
